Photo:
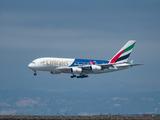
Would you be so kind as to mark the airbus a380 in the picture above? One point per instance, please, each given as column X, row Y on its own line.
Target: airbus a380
column 82, row 67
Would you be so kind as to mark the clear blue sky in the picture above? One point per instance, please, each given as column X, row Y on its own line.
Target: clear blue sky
column 79, row 29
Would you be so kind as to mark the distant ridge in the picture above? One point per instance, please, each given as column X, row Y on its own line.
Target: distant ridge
column 100, row 117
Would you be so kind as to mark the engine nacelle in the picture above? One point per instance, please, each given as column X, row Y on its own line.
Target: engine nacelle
column 76, row 70
column 95, row 68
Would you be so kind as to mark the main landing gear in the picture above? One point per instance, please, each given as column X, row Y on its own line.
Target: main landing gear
column 80, row 76
column 73, row 76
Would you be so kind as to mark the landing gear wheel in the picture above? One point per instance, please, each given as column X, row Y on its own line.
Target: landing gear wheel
column 83, row 76
column 35, row 74
column 73, row 76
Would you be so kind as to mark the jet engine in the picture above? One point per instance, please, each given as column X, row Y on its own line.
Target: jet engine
column 76, row 70
column 95, row 68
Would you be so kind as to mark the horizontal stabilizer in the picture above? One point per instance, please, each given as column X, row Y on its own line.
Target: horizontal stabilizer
column 133, row 64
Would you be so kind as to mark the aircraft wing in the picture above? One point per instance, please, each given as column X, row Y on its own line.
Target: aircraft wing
column 133, row 64
column 64, row 69
column 101, row 65
column 86, row 68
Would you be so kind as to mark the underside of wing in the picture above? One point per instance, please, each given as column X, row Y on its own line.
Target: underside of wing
column 64, row 69
column 133, row 64
column 103, row 66
column 90, row 69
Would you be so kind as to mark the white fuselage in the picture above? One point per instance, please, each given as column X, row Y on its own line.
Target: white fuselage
column 56, row 65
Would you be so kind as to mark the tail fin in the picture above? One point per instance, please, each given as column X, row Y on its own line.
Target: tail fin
column 123, row 54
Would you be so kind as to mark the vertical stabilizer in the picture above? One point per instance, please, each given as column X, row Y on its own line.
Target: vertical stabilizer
column 124, row 52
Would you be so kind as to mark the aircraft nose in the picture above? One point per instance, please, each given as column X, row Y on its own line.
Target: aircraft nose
column 30, row 66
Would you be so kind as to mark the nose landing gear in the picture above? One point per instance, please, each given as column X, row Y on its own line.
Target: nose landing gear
column 35, row 73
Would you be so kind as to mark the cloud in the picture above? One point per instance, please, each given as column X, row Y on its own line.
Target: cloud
column 7, row 112
column 48, row 110
column 87, row 114
column 155, row 110
column 117, row 105
column 22, row 37
column 17, row 29
column 4, row 104
column 63, row 110
column 147, row 99
column 118, row 98
column 26, row 102
column 83, row 114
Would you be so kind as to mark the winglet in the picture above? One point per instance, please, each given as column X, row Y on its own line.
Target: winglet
column 131, row 61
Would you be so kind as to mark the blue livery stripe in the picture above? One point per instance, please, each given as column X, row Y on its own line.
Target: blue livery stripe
column 81, row 62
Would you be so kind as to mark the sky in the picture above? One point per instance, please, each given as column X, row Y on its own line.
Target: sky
column 87, row 29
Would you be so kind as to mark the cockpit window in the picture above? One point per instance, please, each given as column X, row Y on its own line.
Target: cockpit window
column 33, row 62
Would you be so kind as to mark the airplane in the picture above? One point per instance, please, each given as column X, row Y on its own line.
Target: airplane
column 85, row 66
